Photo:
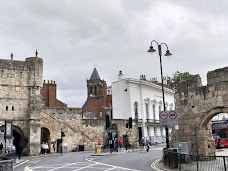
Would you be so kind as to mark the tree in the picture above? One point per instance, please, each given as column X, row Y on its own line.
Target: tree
column 177, row 78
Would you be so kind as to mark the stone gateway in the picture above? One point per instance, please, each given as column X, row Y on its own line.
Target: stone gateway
column 196, row 105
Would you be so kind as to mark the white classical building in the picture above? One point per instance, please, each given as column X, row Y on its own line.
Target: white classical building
column 142, row 100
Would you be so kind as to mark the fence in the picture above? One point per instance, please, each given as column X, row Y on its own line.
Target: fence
column 185, row 162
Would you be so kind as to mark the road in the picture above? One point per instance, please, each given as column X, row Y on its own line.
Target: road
column 88, row 161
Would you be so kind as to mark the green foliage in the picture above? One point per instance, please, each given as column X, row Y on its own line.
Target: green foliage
column 177, row 78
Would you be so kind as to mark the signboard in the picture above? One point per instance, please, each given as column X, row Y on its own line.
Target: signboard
column 8, row 129
column 163, row 115
column 168, row 117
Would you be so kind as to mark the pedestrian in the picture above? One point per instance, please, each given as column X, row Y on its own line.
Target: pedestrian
column 1, row 147
column 142, row 144
column 120, row 143
column 53, row 147
column 13, row 148
column 116, row 145
column 111, row 145
column 19, row 150
column 147, row 145
column 218, row 144
column 126, row 144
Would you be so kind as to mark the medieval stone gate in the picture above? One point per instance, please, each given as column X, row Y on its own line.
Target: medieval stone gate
column 196, row 105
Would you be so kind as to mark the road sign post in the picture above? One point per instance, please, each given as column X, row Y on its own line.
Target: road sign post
column 163, row 115
column 168, row 117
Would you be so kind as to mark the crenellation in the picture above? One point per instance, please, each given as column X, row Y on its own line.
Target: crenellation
column 197, row 106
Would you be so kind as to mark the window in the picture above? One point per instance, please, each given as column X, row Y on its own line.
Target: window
column 17, row 88
column 6, row 108
column 95, row 90
column 154, row 111
column 101, row 114
column 159, row 109
column 136, row 110
column 147, row 111
column 12, row 108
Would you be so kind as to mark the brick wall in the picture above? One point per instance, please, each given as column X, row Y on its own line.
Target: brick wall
column 48, row 92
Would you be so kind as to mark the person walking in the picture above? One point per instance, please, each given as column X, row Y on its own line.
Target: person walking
column 1, row 147
column 19, row 150
column 147, row 145
column 126, row 144
column 218, row 144
column 53, row 147
column 116, row 145
column 120, row 143
column 111, row 145
column 142, row 144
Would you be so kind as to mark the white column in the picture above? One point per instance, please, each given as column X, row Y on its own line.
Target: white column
column 158, row 131
column 163, row 131
column 151, row 131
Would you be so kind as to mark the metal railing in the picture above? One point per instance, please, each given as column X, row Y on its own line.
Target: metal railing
column 185, row 162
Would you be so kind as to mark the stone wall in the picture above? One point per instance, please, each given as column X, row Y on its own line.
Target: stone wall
column 197, row 104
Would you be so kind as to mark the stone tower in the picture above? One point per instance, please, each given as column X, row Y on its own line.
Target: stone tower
column 20, row 83
column 35, row 82
column 95, row 86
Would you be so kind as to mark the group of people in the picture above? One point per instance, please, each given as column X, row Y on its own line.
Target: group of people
column 44, row 148
column 145, row 144
column 12, row 149
column 115, row 144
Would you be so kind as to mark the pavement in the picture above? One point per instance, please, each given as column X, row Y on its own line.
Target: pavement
column 160, row 167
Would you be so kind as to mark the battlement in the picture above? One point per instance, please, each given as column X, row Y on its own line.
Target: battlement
column 12, row 64
column 217, row 76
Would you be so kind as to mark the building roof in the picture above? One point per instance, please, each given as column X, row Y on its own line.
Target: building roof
column 95, row 75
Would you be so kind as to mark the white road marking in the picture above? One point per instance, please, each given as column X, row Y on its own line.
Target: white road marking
column 21, row 163
column 62, row 166
column 85, row 167
column 118, row 167
column 153, row 165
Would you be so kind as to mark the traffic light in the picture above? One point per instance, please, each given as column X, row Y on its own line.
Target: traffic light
column 62, row 134
column 107, row 121
column 127, row 125
column 130, row 122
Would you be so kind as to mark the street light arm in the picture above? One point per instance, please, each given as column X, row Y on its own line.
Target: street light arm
column 154, row 41
column 165, row 45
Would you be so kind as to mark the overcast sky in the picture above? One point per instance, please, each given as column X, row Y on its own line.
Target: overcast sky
column 74, row 36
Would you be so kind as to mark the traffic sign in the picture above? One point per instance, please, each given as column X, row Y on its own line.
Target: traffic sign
column 168, row 117
column 172, row 114
column 163, row 115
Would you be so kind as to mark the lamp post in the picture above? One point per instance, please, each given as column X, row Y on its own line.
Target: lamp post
column 152, row 50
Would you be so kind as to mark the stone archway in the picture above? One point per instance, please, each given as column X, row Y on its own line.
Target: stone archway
column 45, row 136
column 196, row 105
column 18, row 137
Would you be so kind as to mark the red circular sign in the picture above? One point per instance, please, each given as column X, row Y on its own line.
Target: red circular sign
column 163, row 115
column 172, row 114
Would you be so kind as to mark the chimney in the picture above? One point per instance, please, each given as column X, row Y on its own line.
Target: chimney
column 154, row 80
column 165, row 80
column 142, row 77
column 120, row 76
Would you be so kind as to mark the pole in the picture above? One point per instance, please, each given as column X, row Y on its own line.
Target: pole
column 61, row 143
column 163, row 96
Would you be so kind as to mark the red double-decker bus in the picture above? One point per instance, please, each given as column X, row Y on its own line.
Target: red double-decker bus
column 220, row 129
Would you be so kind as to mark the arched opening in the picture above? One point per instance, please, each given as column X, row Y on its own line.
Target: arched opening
column 45, row 137
column 18, row 137
column 214, row 126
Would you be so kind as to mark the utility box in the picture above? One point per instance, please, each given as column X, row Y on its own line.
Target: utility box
column 183, row 150
column 182, row 147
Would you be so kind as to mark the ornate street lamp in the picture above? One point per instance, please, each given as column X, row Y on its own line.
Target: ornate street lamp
column 151, row 51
